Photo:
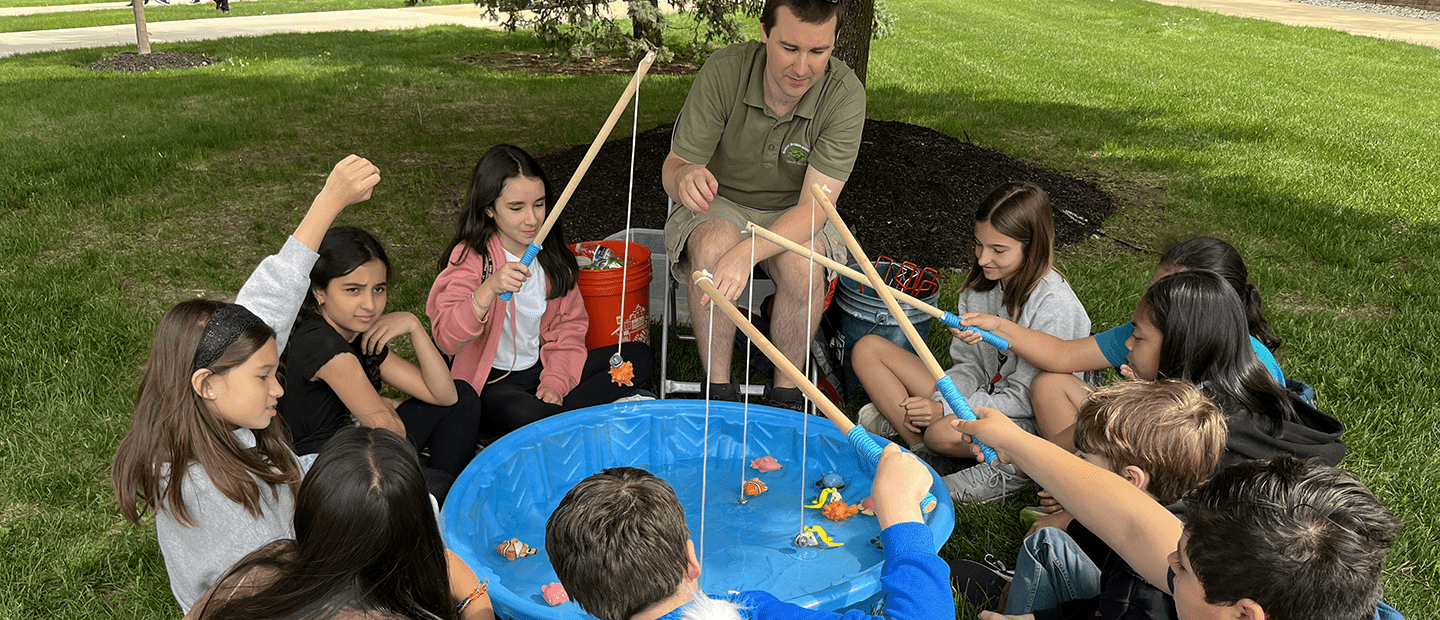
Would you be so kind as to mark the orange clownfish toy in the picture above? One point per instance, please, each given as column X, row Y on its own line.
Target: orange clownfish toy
column 623, row 374
column 513, row 549
column 754, row 486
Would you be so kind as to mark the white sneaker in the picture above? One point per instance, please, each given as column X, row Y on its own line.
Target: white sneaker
column 984, row 483
column 871, row 418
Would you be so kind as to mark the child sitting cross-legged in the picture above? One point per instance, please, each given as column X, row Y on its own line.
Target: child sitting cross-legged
column 1283, row 539
column 620, row 545
column 1163, row 437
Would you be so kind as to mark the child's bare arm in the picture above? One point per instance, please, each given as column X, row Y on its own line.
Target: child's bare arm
column 1042, row 350
column 1131, row 522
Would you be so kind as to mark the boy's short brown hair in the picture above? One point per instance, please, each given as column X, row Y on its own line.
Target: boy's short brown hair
column 618, row 542
column 1167, row 428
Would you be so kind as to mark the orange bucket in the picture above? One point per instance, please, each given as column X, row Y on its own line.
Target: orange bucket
column 601, row 290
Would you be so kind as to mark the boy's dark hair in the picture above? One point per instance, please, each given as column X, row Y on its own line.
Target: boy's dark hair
column 1304, row 540
column 1169, row 429
column 808, row 11
column 617, row 542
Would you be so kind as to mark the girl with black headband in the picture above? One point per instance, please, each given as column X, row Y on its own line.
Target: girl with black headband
column 206, row 406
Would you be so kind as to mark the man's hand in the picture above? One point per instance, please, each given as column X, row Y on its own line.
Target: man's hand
column 696, row 187
column 732, row 273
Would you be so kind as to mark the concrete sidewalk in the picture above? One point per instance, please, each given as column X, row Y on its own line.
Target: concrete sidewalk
column 1418, row 31
column 12, row 43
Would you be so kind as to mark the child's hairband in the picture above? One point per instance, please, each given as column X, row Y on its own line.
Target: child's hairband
column 221, row 331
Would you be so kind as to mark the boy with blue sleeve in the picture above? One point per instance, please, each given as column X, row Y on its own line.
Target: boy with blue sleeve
column 619, row 544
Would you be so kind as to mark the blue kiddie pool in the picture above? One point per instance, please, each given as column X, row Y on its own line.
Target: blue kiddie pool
column 510, row 489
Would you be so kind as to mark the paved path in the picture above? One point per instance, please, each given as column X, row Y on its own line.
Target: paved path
column 1418, row 31
column 254, row 25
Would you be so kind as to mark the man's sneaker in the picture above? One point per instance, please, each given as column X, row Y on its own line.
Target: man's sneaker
column 637, row 396
column 984, row 482
column 984, row 586
column 728, row 392
column 784, row 398
column 873, row 421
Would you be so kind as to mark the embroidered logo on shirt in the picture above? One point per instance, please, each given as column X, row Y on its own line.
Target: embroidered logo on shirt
column 797, row 153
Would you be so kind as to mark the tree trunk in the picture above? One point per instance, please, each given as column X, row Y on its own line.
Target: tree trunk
column 852, row 44
column 142, row 35
column 645, row 24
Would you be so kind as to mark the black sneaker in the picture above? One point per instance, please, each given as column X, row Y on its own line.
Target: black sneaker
column 984, row 587
column 728, row 392
column 784, row 398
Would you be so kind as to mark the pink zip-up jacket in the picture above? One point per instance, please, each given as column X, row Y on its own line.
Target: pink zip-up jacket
column 459, row 333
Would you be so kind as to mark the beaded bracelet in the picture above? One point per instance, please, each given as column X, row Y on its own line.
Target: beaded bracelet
column 480, row 591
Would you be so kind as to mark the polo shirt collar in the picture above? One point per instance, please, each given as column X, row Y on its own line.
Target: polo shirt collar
column 755, row 92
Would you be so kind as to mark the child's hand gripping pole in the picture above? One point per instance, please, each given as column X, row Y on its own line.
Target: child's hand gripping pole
column 943, row 382
column 534, row 248
column 860, row 439
column 943, row 316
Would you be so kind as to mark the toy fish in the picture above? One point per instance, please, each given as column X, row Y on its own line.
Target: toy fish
column 814, row 536
column 831, row 480
column 765, row 464
column 754, row 486
column 513, row 549
column 554, row 593
column 838, row 510
column 826, row 496
column 867, row 506
column 622, row 374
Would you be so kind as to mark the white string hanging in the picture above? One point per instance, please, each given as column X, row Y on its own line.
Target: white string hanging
column 705, row 446
column 745, row 427
column 618, row 365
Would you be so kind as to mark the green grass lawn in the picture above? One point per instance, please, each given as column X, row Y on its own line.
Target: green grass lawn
column 122, row 194
column 179, row 10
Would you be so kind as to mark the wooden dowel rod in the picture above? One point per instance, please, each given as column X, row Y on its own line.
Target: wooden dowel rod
column 843, row 270
column 595, row 147
column 921, row 348
column 782, row 363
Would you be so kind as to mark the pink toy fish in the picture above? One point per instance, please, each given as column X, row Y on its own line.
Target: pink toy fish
column 867, row 506
column 765, row 464
column 554, row 593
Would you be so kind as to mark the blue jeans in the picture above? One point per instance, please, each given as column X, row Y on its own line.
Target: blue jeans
column 1050, row 570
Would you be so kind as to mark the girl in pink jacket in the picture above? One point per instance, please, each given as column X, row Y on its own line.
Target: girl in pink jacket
column 526, row 356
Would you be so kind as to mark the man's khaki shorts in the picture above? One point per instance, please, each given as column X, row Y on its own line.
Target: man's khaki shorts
column 683, row 221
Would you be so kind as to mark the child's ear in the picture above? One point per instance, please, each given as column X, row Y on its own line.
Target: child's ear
column 200, row 382
column 692, row 569
column 1136, row 476
column 1247, row 609
column 319, row 294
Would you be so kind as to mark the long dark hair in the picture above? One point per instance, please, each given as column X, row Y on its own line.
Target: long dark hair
column 475, row 227
column 1219, row 256
column 365, row 539
column 344, row 249
column 173, row 426
column 1020, row 211
column 1204, row 340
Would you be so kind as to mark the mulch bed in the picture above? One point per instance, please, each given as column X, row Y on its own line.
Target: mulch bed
column 135, row 62
column 554, row 64
column 911, row 196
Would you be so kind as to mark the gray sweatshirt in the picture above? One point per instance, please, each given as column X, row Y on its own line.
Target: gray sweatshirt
column 1052, row 308
column 198, row 556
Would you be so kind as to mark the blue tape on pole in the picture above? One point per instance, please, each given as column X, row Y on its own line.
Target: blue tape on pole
column 530, row 253
column 991, row 339
column 947, row 388
column 869, row 453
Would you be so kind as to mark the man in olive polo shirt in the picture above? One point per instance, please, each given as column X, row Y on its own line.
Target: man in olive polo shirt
column 762, row 123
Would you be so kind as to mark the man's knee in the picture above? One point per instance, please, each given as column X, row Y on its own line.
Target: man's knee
column 790, row 272
column 709, row 241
